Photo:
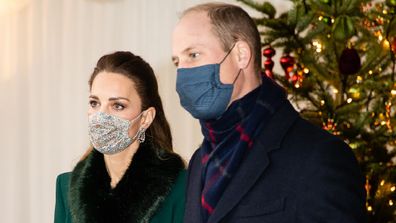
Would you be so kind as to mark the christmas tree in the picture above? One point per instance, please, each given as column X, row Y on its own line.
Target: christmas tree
column 338, row 58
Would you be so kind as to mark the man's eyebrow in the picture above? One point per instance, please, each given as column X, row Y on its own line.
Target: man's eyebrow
column 175, row 58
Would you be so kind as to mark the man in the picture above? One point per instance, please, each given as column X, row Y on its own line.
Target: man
column 259, row 161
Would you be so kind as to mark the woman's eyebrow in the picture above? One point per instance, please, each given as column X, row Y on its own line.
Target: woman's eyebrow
column 118, row 98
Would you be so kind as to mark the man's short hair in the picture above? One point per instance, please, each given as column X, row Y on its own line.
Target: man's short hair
column 230, row 24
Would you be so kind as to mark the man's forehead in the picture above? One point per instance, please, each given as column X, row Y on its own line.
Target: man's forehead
column 193, row 23
column 192, row 30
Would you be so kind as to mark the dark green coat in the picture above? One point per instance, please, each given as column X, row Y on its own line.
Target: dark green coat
column 152, row 190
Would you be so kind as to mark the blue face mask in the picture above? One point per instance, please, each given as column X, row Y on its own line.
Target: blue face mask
column 200, row 91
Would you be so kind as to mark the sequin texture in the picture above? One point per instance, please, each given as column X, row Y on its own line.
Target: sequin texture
column 108, row 133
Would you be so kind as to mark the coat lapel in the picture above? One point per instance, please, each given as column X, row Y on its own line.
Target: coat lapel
column 194, row 187
column 252, row 167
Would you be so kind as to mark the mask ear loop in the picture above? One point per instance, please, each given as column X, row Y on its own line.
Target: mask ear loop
column 228, row 53
column 137, row 117
column 236, row 78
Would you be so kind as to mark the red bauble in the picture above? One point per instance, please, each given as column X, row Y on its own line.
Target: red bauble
column 268, row 63
column 393, row 45
column 269, row 52
column 349, row 61
column 287, row 62
column 269, row 73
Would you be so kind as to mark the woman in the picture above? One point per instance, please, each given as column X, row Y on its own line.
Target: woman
column 131, row 173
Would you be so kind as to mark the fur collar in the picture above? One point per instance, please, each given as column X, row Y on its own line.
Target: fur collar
column 137, row 196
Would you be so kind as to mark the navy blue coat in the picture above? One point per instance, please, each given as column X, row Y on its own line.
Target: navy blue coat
column 295, row 173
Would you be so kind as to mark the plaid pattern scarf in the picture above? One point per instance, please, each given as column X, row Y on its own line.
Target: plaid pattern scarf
column 229, row 138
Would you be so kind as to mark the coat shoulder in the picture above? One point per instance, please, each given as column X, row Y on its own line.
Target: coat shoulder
column 63, row 178
column 62, row 211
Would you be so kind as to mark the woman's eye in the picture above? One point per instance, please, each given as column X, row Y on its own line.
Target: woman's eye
column 93, row 104
column 118, row 106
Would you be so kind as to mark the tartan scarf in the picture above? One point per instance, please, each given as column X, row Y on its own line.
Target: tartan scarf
column 229, row 138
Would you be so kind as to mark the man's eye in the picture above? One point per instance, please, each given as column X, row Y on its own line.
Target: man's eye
column 93, row 104
column 194, row 55
column 176, row 63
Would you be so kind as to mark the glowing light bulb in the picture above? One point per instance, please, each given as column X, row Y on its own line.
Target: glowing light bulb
column 382, row 182
column 359, row 79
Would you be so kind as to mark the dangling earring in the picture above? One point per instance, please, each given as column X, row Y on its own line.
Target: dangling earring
column 141, row 135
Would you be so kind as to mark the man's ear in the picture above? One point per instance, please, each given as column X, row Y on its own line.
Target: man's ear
column 244, row 54
column 147, row 117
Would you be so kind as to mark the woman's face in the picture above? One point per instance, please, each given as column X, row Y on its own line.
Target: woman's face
column 115, row 94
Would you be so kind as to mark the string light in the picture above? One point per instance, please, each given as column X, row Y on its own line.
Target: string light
column 349, row 100
column 388, row 106
column 393, row 189
column 382, row 182
column 393, row 91
column 390, row 203
column 359, row 79
column 369, row 208
column 386, row 44
column 318, row 46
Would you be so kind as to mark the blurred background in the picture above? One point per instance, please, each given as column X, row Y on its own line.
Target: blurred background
column 48, row 49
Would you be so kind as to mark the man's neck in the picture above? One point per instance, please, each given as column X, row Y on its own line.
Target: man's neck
column 248, row 81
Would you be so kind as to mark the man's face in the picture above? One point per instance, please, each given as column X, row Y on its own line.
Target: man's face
column 195, row 44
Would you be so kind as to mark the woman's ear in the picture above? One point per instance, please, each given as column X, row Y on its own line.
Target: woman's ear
column 244, row 54
column 147, row 117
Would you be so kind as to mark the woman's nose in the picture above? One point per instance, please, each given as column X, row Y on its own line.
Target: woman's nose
column 104, row 109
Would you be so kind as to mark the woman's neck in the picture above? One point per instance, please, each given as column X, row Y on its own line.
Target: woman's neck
column 117, row 164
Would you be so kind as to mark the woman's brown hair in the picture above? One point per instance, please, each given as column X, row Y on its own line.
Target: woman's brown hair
column 141, row 73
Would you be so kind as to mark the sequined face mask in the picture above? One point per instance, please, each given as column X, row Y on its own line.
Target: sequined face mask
column 109, row 134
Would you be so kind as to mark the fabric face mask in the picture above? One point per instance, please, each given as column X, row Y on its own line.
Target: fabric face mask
column 109, row 134
column 200, row 91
